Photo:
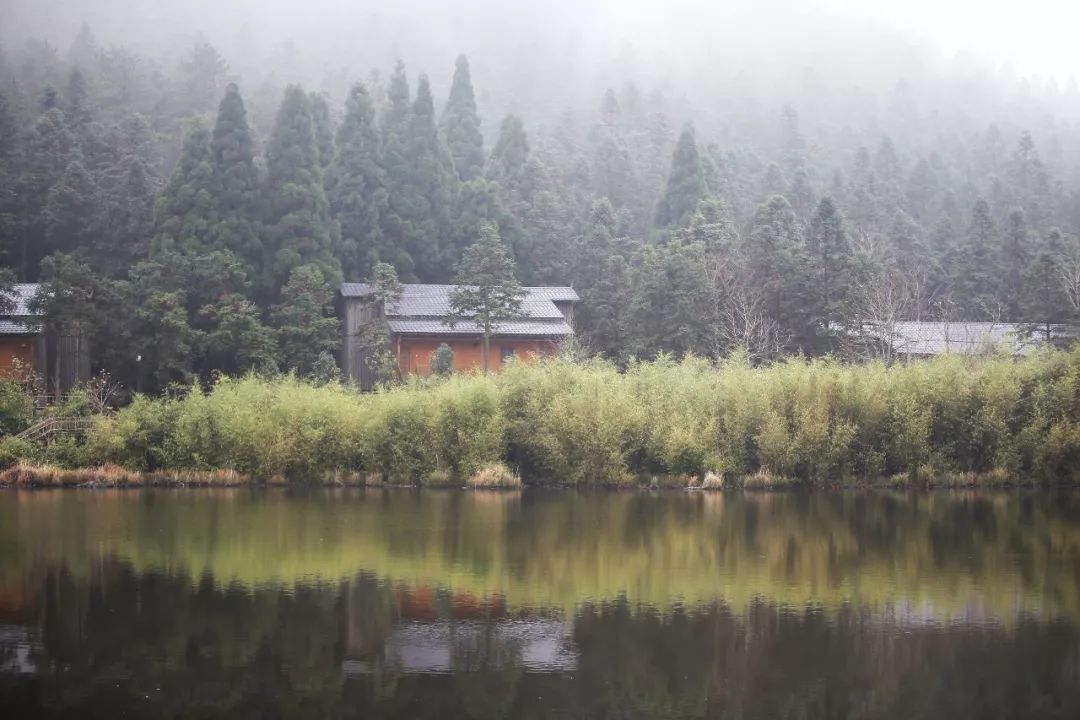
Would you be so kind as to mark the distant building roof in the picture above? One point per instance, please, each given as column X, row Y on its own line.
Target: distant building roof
column 939, row 338
column 523, row 327
column 423, row 309
column 22, row 294
column 19, row 319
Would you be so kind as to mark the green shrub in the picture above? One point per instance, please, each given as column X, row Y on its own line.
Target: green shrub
column 13, row 449
column 585, row 422
column 442, row 360
column 67, row 451
column 16, row 407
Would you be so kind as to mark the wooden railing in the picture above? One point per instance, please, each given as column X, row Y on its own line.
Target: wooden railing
column 49, row 428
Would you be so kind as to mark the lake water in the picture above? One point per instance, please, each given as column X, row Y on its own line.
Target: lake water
column 538, row 604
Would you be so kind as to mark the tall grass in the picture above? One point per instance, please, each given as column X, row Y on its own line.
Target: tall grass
column 586, row 423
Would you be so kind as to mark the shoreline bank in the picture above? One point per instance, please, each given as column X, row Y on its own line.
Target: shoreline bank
column 40, row 476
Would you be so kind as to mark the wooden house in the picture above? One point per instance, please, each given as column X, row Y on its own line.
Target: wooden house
column 22, row 340
column 418, row 323
column 28, row 350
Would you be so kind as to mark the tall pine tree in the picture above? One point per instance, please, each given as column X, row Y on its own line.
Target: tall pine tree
column 235, row 182
column 829, row 260
column 515, row 178
column 299, row 230
column 41, row 157
column 186, row 211
column 356, row 187
column 1045, row 301
column 685, row 185
column 461, row 124
column 323, row 126
column 422, row 183
column 976, row 274
column 1015, row 263
column 775, row 255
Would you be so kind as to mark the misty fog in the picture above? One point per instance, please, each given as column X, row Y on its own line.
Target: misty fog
column 729, row 66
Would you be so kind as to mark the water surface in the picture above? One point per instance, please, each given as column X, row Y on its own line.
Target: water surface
column 536, row 604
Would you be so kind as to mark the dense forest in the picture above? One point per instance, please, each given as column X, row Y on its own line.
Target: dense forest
column 189, row 221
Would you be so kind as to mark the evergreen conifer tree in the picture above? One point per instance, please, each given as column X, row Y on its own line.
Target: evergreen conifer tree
column 669, row 307
column 602, row 274
column 975, row 270
column 461, row 124
column 395, row 117
column 1015, row 263
column 508, row 164
column 78, row 110
column 41, row 159
column 775, row 254
column 515, row 179
column 477, row 203
column 299, row 230
column 84, row 49
column 712, row 226
column 235, row 339
column 235, row 182
column 306, row 325
column 203, row 75
column 8, row 207
column 69, row 210
column 422, row 184
column 124, row 221
column 356, row 187
column 1046, row 303
column 323, row 127
column 685, row 185
column 614, row 176
column 128, row 185
column 829, row 258
column 186, row 211
column 487, row 292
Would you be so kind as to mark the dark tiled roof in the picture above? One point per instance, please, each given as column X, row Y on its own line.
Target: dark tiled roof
column 22, row 295
column 532, row 328
column 16, row 327
column 422, row 309
column 939, row 338
column 435, row 299
column 18, row 320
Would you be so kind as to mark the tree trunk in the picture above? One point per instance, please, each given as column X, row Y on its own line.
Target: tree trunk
column 57, row 343
column 487, row 351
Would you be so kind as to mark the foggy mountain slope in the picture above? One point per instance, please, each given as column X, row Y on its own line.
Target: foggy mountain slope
column 532, row 56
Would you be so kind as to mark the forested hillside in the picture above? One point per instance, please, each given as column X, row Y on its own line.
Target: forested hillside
column 190, row 219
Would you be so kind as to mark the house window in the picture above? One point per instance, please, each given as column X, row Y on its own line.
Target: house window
column 505, row 351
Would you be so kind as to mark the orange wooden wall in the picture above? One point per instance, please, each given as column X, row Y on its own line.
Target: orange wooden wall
column 21, row 348
column 414, row 353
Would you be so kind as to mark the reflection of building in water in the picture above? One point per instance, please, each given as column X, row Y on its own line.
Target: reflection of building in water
column 434, row 631
column 19, row 608
column 17, row 648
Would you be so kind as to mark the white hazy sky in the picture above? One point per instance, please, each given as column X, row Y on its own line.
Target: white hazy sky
column 1037, row 36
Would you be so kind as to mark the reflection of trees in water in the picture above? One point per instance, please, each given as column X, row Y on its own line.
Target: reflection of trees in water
column 771, row 663
column 156, row 645
column 487, row 667
column 997, row 551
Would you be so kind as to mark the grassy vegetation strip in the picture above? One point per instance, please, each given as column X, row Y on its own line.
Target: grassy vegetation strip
column 25, row 474
column 973, row 420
